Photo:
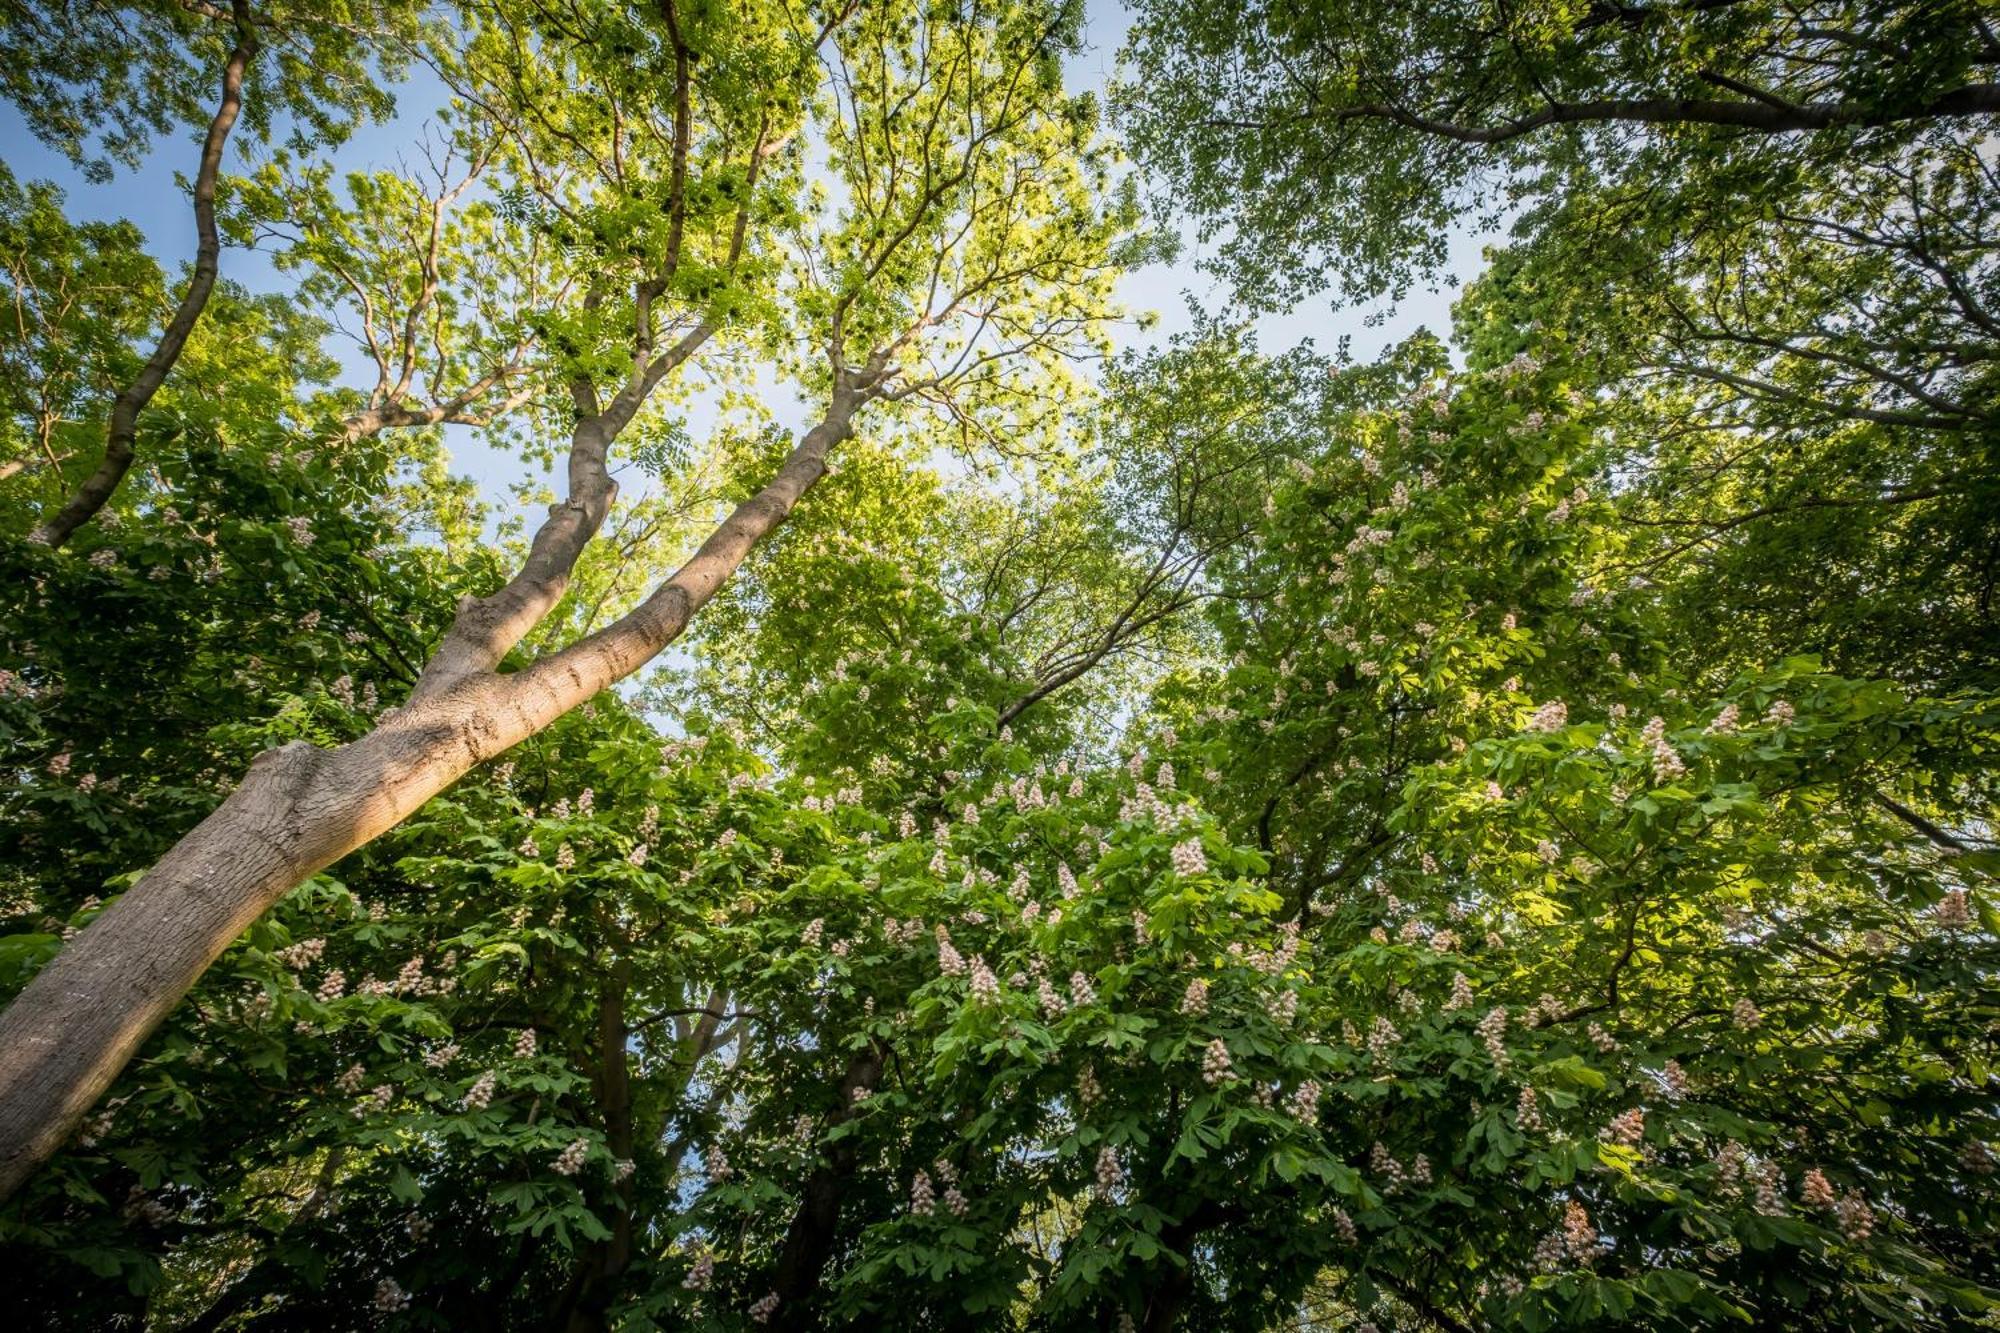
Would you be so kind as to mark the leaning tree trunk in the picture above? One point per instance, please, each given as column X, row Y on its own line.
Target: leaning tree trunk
column 119, row 437
column 66, row 1037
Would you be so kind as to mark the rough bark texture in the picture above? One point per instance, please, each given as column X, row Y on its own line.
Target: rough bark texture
column 91, row 495
column 67, row 1036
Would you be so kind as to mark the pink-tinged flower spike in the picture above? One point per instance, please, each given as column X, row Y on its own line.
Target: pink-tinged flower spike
column 1049, row 998
column 480, row 1094
column 1382, row 1039
column 985, row 986
column 950, row 962
column 1215, row 1066
column 1552, row 716
column 1461, row 992
column 1954, row 910
column 1854, row 1217
column 1627, row 1128
column 1492, row 1030
column 1110, row 1175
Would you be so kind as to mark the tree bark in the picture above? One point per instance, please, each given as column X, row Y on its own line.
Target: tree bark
column 581, row 1309
column 809, row 1240
column 91, row 495
column 79, row 1022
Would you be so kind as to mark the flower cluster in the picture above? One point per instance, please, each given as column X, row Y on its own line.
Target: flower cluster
column 1550, row 717
column 1492, row 1030
column 954, row 1198
column 950, row 961
column 480, row 1094
column 302, row 955
column 1461, row 992
column 1110, row 1175
column 1382, row 1039
column 1666, row 761
column 1627, row 1128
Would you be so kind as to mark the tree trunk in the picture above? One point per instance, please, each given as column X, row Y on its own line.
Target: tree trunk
column 581, row 1309
column 1174, row 1284
column 97, row 488
column 66, row 1037
column 809, row 1240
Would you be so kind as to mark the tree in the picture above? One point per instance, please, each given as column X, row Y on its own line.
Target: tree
column 1769, row 224
column 1499, row 836
column 64, row 101
column 1266, row 116
column 919, row 261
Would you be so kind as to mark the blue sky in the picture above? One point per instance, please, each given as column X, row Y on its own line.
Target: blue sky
column 153, row 198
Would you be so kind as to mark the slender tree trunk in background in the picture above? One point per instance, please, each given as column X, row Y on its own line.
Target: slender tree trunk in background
column 1176, row 1283
column 581, row 1309
column 98, row 487
column 809, row 1240
column 73, row 1029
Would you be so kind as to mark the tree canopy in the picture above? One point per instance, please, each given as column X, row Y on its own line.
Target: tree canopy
column 933, row 803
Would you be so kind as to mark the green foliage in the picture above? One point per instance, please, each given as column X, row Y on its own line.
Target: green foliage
column 1497, row 837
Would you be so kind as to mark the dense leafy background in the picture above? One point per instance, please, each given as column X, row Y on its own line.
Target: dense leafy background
column 1499, row 836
